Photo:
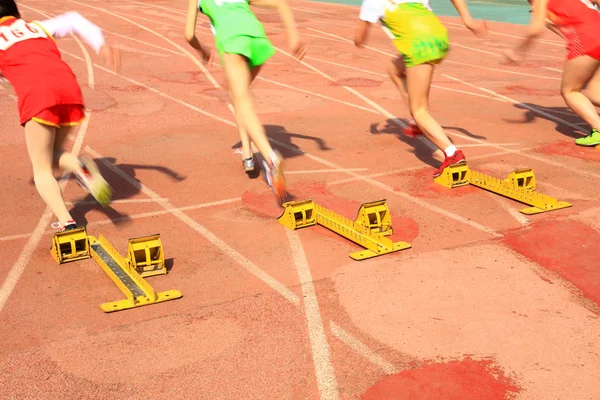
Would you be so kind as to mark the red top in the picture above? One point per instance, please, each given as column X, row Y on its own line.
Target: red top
column 31, row 61
column 579, row 23
column 572, row 12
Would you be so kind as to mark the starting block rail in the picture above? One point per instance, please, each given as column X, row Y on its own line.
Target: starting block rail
column 369, row 230
column 127, row 273
column 520, row 185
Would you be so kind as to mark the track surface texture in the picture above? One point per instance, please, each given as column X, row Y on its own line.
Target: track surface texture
column 487, row 304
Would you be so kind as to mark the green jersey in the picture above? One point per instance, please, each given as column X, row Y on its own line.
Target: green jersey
column 231, row 18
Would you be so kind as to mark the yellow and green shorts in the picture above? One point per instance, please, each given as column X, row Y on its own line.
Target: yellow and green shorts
column 256, row 49
column 417, row 34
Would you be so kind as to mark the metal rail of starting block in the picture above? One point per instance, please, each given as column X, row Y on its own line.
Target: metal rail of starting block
column 520, row 185
column 369, row 230
column 146, row 258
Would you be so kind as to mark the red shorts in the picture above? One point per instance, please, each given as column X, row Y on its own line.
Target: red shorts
column 582, row 40
column 61, row 115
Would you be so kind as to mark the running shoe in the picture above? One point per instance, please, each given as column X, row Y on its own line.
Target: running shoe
column 248, row 164
column 92, row 181
column 274, row 175
column 590, row 140
column 457, row 158
column 69, row 226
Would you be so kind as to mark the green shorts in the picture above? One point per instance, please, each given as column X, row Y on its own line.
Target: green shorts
column 418, row 34
column 256, row 49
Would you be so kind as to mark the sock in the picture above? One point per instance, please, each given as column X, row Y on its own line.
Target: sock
column 450, row 150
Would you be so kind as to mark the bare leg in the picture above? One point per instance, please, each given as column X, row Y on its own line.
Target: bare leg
column 244, row 138
column 592, row 91
column 577, row 72
column 65, row 160
column 40, row 145
column 418, row 84
column 239, row 78
column 397, row 72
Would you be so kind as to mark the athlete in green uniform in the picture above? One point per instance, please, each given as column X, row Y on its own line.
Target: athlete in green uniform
column 422, row 42
column 243, row 47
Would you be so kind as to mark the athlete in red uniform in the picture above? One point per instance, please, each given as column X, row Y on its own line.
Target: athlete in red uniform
column 578, row 22
column 49, row 99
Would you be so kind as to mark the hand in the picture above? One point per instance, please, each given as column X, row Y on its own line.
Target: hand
column 206, row 54
column 298, row 49
column 513, row 57
column 479, row 28
column 110, row 57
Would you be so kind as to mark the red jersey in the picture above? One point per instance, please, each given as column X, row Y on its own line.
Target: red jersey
column 579, row 22
column 31, row 61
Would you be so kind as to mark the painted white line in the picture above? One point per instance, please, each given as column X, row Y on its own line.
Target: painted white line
column 545, row 41
column 503, row 70
column 326, row 380
column 135, row 50
column 158, row 92
column 311, row 11
column 420, row 167
column 123, row 201
column 387, row 76
column 321, row 171
column 537, row 111
column 387, row 188
column 378, row 184
column 487, row 144
column 534, row 109
column 211, row 237
column 553, row 69
column 522, row 219
column 172, row 43
column 142, row 42
column 17, row 269
column 362, row 349
column 390, row 35
column 318, row 95
column 497, row 54
column 132, row 217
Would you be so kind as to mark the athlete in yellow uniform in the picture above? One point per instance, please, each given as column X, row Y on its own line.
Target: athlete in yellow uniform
column 422, row 42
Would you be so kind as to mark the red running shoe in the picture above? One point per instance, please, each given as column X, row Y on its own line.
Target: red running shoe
column 457, row 158
column 412, row 130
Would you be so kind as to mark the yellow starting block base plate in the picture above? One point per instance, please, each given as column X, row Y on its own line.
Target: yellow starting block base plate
column 366, row 254
column 140, row 301
column 536, row 210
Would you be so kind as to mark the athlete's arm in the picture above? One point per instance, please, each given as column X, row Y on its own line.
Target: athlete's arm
column 285, row 13
column 72, row 22
column 478, row 28
column 362, row 32
column 535, row 29
column 536, row 26
column 190, row 30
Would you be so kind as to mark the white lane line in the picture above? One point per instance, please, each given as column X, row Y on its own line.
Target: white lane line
column 522, row 219
column 17, row 269
column 326, row 380
column 362, row 349
column 134, row 216
column 321, row 171
column 210, row 236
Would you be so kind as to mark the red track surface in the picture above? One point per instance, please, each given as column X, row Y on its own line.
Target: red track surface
column 488, row 304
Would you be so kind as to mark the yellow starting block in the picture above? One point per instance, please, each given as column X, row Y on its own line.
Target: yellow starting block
column 369, row 230
column 145, row 255
column 520, row 185
column 70, row 246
